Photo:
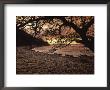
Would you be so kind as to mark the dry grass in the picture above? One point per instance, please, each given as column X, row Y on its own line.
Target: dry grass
column 31, row 62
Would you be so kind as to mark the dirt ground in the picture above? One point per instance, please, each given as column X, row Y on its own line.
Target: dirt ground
column 29, row 61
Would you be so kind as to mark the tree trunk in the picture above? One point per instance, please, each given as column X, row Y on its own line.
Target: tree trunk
column 86, row 42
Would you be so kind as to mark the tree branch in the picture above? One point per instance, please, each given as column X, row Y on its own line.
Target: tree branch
column 86, row 26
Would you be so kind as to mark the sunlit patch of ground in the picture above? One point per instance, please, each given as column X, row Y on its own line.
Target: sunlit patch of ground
column 75, row 50
column 72, row 49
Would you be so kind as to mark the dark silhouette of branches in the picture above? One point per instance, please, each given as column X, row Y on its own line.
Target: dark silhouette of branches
column 79, row 23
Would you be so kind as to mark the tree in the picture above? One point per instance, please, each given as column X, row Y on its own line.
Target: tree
column 39, row 26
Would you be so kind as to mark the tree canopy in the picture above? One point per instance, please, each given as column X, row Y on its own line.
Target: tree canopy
column 63, row 28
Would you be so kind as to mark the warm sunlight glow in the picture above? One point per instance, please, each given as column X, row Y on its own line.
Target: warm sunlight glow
column 54, row 41
column 45, row 27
